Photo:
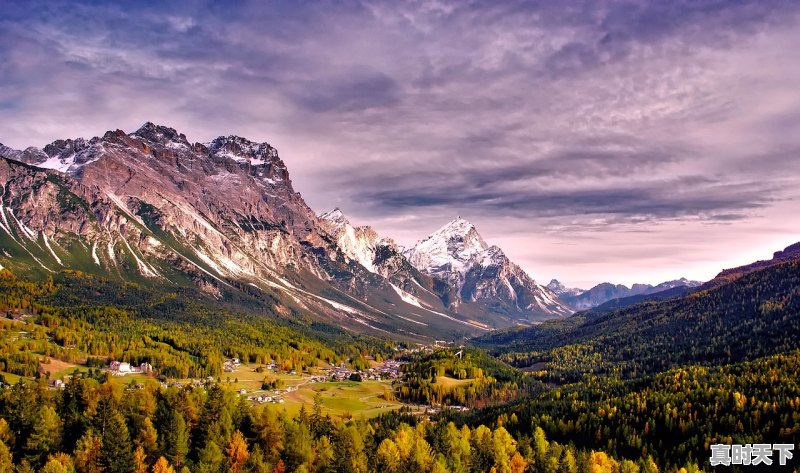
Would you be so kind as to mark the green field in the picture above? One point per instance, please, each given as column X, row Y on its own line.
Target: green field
column 339, row 399
column 344, row 398
column 10, row 378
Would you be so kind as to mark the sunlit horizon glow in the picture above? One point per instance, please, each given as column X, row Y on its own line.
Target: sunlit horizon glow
column 592, row 141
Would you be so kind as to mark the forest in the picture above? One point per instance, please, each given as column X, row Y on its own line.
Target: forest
column 94, row 426
column 753, row 316
column 180, row 334
column 643, row 388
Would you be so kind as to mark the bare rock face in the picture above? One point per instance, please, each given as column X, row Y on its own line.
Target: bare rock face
column 382, row 256
column 152, row 207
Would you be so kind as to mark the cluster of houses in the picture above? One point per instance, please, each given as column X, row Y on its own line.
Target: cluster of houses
column 121, row 368
column 230, row 365
column 274, row 398
column 264, row 398
column 390, row 369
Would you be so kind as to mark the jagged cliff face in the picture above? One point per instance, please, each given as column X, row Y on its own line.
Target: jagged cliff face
column 228, row 200
column 482, row 275
column 382, row 256
column 152, row 207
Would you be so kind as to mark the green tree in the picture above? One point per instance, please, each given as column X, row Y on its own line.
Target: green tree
column 46, row 436
column 269, row 431
column 324, row 455
column 147, row 438
column 350, row 455
column 175, row 439
column 299, row 448
column 116, row 455
column 211, row 458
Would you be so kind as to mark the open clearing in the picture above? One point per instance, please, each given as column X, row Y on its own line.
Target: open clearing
column 343, row 398
column 59, row 368
column 451, row 382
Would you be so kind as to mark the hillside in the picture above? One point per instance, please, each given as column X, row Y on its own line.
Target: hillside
column 757, row 314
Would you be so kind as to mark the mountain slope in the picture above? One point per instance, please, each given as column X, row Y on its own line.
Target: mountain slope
column 790, row 253
column 482, row 275
column 223, row 216
column 755, row 315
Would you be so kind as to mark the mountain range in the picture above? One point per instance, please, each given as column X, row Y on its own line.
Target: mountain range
column 580, row 299
column 151, row 207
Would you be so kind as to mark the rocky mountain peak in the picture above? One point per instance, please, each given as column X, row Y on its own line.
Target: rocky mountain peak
column 243, row 150
column 556, row 286
column 481, row 273
column 159, row 134
column 335, row 216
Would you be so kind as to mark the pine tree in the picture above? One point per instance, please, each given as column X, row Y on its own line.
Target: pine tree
column 147, row 437
column 175, row 439
column 116, row 455
column 210, row 459
column 46, row 435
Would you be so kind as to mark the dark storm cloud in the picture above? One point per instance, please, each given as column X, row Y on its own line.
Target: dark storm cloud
column 665, row 199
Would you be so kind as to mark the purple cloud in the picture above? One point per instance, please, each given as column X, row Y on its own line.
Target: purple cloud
column 570, row 132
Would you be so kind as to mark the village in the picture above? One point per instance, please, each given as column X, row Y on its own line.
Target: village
column 249, row 380
column 342, row 390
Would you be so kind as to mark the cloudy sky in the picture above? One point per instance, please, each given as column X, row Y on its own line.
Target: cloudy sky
column 620, row 141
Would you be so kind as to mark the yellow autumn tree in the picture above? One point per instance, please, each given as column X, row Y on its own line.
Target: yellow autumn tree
column 518, row 463
column 162, row 466
column 139, row 460
column 599, row 462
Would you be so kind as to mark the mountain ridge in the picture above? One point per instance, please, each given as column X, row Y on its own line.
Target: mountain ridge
column 151, row 207
column 583, row 299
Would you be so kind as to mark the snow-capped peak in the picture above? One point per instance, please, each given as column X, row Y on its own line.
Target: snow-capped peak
column 450, row 249
column 65, row 156
column 458, row 254
column 457, row 226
